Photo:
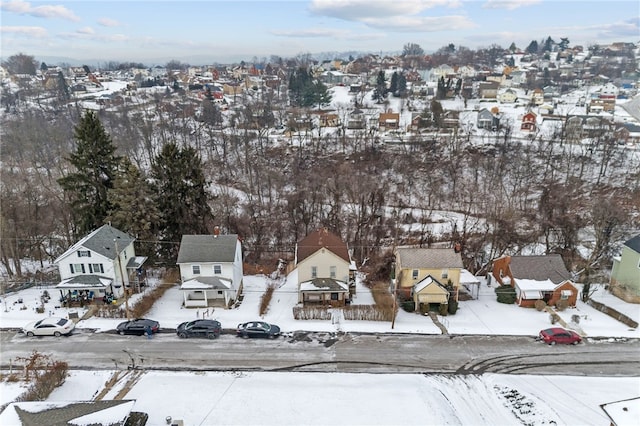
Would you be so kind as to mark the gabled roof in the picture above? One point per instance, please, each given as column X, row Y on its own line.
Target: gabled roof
column 207, row 248
column 634, row 243
column 429, row 258
column 426, row 282
column 540, row 268
column 319, row 239
column 102, row 241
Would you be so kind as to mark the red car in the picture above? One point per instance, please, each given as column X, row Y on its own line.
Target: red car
column 559, row 335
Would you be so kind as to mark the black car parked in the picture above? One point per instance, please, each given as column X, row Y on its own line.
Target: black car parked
column 210, row 329
column 257, row 329
column 138, row 326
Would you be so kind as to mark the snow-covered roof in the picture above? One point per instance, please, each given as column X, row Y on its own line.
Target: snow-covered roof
column 324, row 284
column 84, row 282
column 206, row 283
column 534, row 285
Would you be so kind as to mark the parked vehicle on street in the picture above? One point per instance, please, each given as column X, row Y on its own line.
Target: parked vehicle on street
column 210, row 329
column 138, row 326
column 257, row 329
column 555, row 335
column 51, row 326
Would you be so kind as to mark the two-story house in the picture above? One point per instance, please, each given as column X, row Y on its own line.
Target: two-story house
column 625, row 275
column 100, row 266
column 210, row 269
column 430, row 277
column 324, row 269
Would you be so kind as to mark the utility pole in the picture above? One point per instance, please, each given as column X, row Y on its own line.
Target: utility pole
column 124, row 288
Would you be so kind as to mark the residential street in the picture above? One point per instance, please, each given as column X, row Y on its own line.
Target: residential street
column 326, row 352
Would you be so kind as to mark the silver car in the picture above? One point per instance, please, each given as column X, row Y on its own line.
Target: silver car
column 51, row 326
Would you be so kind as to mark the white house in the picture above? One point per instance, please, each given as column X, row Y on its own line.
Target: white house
column 101, row 264
column 210, row 269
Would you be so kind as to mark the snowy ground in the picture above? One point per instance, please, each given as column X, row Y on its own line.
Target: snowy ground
column 355, row 399
column 483, row 316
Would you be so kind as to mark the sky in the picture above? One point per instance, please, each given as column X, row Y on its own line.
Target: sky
column 217, row 31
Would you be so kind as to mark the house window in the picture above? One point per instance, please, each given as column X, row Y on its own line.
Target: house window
column 564, row 294
column 445, row 273
column 415, row 274
column 334, row 296
column 195, row 269
column 84, row 253
column 332, row 271
column 77, row 268
column 95, row 268
column 217, row 269
column 314, row 272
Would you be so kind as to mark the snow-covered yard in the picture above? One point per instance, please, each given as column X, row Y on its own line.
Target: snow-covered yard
column 266, row 398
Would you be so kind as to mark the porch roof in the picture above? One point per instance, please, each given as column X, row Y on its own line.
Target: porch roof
column 324, row 284
column 82, row 282
column 207, row 283
column 136, row 262
column 535, row 285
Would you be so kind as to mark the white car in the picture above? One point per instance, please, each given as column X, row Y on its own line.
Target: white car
column 52, row 326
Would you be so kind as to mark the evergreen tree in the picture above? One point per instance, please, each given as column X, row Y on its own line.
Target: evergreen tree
column 513, row 47
column 381, row 87
column 532, row 48
column 63, row 88
column 133, row 209
column 95, row 166
column 316, row 93
column 180, row 195
column 548, row 44
column 393, row 86
column 401, row 89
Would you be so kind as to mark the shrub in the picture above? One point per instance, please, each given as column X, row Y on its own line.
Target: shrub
column 561, row 305
column 266, row 298
column 540, row 305
column 453, row 307
column 408, row 305
column 443, row 309
column 506, row 294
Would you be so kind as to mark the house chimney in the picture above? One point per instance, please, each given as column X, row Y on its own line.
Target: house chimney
column 216, row 231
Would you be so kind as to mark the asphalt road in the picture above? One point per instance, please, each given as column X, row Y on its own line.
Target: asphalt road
column 328, row 352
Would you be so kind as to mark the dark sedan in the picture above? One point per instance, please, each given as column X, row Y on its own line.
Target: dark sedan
column 210, row 329
column 257, row 329
column 138, row 326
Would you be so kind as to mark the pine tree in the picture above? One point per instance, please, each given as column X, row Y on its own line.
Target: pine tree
column 381, row 87
column 133, row 209
column 180, row 196
column 533, row 47
column 393, row 86
column 95, row 166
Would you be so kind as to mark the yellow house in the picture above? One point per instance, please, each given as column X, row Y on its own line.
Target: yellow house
column 324, row 269
column 423, row 274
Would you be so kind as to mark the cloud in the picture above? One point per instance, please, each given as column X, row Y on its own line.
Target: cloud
column 106, row 22
column 36, row 32
column 45, row 11
column 627, row 28
column 409, row 24
column 509, row 4
column 358, row 10
column 85, row 30
column 310, row 32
